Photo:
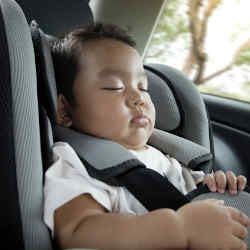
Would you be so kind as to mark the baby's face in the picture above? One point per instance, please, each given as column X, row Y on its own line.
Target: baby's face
column 111, row 95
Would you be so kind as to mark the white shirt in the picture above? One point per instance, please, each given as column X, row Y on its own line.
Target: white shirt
column 67, row 178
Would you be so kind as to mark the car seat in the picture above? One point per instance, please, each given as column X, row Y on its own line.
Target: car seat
column 22, row 146
column 179, row 107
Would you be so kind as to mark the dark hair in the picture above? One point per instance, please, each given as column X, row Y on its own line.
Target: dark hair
column 66, row 52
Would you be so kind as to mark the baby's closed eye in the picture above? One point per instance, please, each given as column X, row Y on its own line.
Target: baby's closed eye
column 113, row 88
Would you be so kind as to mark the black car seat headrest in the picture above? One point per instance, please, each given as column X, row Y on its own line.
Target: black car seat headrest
column 61, row 15
column 21, row 183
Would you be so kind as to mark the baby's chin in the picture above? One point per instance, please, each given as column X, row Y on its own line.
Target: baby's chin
column 135, row 146
column 136, row 142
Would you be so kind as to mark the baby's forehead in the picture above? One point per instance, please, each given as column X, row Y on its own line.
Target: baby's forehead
column 112, row 58
column 107, row 47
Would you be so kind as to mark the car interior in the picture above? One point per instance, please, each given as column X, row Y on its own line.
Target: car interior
column 28, row 105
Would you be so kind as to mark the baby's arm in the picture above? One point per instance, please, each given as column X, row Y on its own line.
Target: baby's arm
column 83, row 223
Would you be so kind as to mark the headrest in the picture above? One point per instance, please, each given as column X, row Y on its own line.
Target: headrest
column 51, row 15
column 194, row 123
column 168, row 116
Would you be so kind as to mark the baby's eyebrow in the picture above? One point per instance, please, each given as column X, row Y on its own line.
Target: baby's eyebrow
column 117, row 72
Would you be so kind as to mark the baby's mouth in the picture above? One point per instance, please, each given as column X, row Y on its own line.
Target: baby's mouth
column 140, row 120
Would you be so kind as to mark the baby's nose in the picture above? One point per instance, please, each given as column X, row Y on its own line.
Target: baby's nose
column 136, row 98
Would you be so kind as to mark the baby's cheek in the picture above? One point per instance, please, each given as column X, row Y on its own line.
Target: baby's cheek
column 152, row 113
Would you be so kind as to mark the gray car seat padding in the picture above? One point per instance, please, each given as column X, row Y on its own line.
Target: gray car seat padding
column 105, row 154
column 25, row 127
column 194, row 119
column 168, row 116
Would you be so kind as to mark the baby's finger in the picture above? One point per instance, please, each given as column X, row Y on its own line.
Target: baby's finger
column 215, row 201
column 210, row 181
column 242, row 181
column 232, row 182
column 236, row 243
column 239, row 231
column 221, row 181
column 238, row 216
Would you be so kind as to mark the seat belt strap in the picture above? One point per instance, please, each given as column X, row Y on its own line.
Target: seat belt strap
column 152, row 189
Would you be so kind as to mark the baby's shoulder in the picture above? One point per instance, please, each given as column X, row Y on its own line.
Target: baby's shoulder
column 62, row 149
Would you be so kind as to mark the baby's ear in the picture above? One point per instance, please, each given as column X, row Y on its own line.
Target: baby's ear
column 63, row 116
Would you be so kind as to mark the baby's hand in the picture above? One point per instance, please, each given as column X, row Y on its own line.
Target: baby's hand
column 208, row 224
column 218, row 181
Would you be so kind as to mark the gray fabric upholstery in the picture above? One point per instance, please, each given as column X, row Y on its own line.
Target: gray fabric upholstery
column 26, row 127
column 194, row 123
column 95, row 150
column 168, row 115
column 187, row 152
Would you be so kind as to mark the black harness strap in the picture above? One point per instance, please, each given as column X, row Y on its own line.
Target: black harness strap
column 158, row 193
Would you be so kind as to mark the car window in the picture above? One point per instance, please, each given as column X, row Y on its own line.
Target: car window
column 209, row 41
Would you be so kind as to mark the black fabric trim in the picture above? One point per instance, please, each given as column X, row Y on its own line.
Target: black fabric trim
column 10, row 216
column 178, row 102
column 44, row 93
column 201, row 189
column 211, row 139
column 196, row 162
column 47, row 154
column 247, row 189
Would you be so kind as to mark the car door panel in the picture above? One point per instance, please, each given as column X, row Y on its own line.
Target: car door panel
column 230, row 121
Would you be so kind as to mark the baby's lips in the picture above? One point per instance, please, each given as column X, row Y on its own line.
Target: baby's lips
column 140, row 120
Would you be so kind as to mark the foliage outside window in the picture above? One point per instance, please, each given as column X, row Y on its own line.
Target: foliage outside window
column 208, row 40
